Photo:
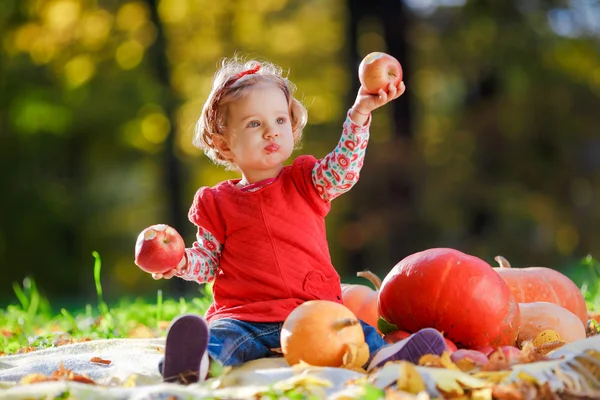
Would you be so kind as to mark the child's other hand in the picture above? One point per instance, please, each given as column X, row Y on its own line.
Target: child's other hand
column 175, row 271
column 366, row 102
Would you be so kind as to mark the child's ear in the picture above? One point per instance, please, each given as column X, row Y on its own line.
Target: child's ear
column 222, row 146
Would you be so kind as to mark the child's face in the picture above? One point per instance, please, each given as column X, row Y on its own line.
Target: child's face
column 259, row 130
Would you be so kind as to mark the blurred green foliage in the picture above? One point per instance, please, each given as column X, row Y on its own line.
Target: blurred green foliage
column 98, row 99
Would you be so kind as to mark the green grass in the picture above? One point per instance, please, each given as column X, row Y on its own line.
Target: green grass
column 31, row 324
column 591, row 285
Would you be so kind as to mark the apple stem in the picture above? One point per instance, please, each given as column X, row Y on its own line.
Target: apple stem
column 371, row 277
column 503, row 262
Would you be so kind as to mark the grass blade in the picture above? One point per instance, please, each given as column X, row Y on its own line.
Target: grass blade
column 21, row 296
column 102, row 307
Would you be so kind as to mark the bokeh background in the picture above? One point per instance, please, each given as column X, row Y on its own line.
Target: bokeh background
column 494, row 148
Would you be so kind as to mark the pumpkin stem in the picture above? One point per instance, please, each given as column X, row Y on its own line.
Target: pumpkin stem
column 502, row 261
column 344, row 323
column 371, row 277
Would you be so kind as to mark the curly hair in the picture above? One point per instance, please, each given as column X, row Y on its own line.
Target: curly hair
column 231, row 82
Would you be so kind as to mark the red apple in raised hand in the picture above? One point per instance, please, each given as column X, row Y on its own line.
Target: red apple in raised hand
column 377, row 70
column 159, row 248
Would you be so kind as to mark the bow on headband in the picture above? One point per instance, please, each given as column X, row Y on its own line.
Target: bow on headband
column 231, row 81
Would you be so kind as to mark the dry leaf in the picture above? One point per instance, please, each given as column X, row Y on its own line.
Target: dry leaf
column 26, row 350
column 455, row 383
column 99, row 360
column 465, row 364
column 546, row 336
column 60, row 374
column 530, row 354
column 443, row 361
column 356, row 356
column 409, row 379
column 141, row 332
column 6, row 333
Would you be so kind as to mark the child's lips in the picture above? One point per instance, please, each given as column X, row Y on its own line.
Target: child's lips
column 272, row 148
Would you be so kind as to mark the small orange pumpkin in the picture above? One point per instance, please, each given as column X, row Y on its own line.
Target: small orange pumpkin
column 323, row 333
column 362, row 300
column 535, row 284
column 539, row 316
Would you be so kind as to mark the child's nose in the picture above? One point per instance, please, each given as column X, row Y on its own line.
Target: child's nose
column 271, row 131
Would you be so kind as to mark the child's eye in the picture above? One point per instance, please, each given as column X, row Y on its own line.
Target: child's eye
column 253, row 124
column 281, row 120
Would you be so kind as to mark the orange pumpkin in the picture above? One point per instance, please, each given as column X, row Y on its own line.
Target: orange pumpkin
column 362, row 300
column 453, row 292
column 325, row 334
column 539, row 316
column 535, row 284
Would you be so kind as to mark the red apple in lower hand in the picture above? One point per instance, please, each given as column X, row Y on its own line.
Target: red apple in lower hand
column 377, row 70
column 159, row 248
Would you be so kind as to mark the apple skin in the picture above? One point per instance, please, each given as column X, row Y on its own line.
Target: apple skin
column 159, row 248
column 377, row 70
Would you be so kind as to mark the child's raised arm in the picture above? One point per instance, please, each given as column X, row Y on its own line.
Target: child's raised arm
column 338, row 171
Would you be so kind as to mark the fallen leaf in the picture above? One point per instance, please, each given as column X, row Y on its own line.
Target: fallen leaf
column 26, row 350
column 409, row 379
column 546, row 336
column 453, row 383
column 443, row 361
column 356, row 356
column 529, row 354
column 60, row 374
column 141, row 331
column 99, row 360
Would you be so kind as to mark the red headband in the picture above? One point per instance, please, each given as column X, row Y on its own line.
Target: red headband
column 231, row 81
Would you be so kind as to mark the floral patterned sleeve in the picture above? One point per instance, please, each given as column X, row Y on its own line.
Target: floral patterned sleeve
column 338, row 171
column 202, row 258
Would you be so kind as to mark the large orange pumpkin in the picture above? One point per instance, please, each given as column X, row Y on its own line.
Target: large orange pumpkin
column 535, row 284
column 454, row 292
column 362, row 300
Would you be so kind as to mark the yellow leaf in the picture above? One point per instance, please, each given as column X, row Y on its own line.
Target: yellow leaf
column 454, row 383
column 546, row 336
column 443, row 361
column 356, row 356
column 409, row 379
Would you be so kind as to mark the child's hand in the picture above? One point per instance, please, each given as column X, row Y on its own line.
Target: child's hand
column 175, row 271
column 365, row 102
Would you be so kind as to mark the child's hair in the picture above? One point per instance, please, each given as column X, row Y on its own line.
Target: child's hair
column 233, row 79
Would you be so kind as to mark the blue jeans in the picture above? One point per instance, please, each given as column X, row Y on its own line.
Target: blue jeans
column 234, row 342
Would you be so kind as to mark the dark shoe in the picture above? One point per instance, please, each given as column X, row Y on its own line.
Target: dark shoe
column 187, row 342
column 426, row 341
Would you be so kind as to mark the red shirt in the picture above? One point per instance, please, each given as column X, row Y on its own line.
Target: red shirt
column 275, row 254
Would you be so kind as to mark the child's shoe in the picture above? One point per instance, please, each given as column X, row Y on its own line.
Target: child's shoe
column 186, row 355
column 425, row 341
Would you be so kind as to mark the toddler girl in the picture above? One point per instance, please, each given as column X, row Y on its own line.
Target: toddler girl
column 261, row 237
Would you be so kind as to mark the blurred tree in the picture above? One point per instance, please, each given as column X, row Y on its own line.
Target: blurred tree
column 493, row 149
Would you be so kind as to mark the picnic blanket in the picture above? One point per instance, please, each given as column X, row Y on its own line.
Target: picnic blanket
column 133, row 374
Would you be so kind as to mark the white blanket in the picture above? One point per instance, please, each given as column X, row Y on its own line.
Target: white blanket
column 133, row 373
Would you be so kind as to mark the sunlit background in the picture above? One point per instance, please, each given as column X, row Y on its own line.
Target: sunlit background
column 494, row 149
